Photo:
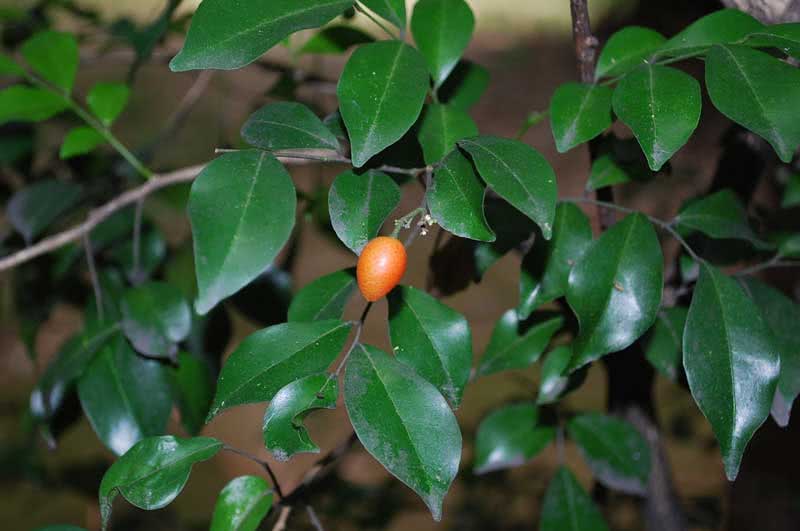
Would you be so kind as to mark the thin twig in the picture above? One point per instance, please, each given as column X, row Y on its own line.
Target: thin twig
column 774, row 262
column 98, row 292
column 377, row 22
column 354, row 343
column 261, row 462
column 137, row 239
column 312, row 515
column 283, row 517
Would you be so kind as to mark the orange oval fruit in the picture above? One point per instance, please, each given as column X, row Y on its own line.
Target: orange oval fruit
column 380, row 267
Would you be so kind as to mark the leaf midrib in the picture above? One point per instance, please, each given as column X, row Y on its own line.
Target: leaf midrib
column 382, row 99
column 531, row 198
column 728, row 352
column 307, row 132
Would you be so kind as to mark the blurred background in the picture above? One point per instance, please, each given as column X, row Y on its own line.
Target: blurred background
column 527, row 47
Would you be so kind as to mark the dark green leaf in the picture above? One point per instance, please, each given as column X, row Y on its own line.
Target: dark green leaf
column 108, row 100
column 465, row 85
column 284, row 432
column 519, row 174
column 758, row 92
column 152, row 473
column 665, row 345
column 227, row 38
column 512, row 227
column 545, row 269
column 627, row 49
column 155, row 317
column 731, row 362
column 31, row 210
column 335, row 125
column 719, row 215
column 195, row 390
column 8, row 67
column 578, row 113
column 442, row 30
column 242, row 209
column 80, row 141
column 381, row 92
column 152, row 251
column 242, row 504
column 14, row 147
column 786, row 37
column 509, row 348
column 325, row 298
column 510, row 436
column 440, row 127
column 782, row 317
column 789, row 245
column 393, row 411
column 125, row 397
column 791, row 194
column 60, row 528
column 335, row 40
column 606, row 172
column 54, row 56
column 554, row 379
column 567, row 507
column 392, row 10
column 26, row 104
column 615, row 289
column 661, row 105
column 287, row 125
column 359, row 204
column 617, row 454
column 720, row 27
column 432, row 339
column 273, row 357
column 455, row 199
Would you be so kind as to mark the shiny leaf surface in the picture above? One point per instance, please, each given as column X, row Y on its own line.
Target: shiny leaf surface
column 242, row 504
column 324, row 298
column 719, row 215
column 578, row 113
column 509, row 348
column 287, row 125
column 392, row 410
column 442, row 30
column 627, row 49
column 567, row 507
column 392, row 10
column 155, row 317
column 554, row 378
column 381, row 92
column 273, row 357
column 465, row 85
column 664, row 347
column 510, row 436
column 615, row 289
column 34, row 208
column 719, row 27
column 440, row 127
column 731, row 362
column 194, row 390
column 431, row 338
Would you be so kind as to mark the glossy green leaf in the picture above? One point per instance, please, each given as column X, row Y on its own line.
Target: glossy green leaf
column 455, row 199
column 54, row 56
column 125, row 397
column 442, row 30
column 719, row 27
column 108, row 100
column 627, row 49
column 60, row 528
column 359, row 205
column 431, row 338
column 194, row 391
column 152, row 474
column 34, row 208
column 757, row 91
column 661, row 105
column 440, row 127
column 229, row 36
column 719, row 215
column 617, row 454
column 242, row 504
column 284, row 432
column 8, row 67
column 512, row 229
column 381, row 92
column 242, row 209
column 80, row 141
column 578, row 113
column 325, row 298
column 567, row 507
column 791, row 194
column 665, row 345
column 509, row 348
column 464, row 86
column 545, row 269
column 393, row 410
column 731, row 362
column 287, row 125
column 392, row 10
column 789, row 245
column 27, row 104
column 554, row 378
column 519, row 174
column 606, row 172
column 155, row 318
column 335, row 40
column 509, row 437
column 273, row 357
column 786, row 37
column 615, row 289
column 782, row 316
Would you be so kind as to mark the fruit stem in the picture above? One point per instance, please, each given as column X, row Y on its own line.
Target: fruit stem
column 405, row 221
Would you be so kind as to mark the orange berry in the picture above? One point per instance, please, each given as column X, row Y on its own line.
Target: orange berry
column 380, row 267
